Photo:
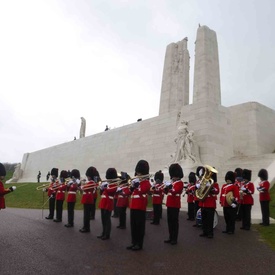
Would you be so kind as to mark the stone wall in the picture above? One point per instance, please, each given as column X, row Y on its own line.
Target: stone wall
column 151, row 139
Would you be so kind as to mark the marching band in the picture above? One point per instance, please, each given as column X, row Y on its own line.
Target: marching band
column 202, row 190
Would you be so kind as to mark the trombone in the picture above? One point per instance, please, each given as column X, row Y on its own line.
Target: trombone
column 43, row 186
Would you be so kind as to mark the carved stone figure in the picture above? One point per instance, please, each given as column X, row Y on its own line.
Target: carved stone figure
column 82, row 128
column 187, row 149
column 16, row 174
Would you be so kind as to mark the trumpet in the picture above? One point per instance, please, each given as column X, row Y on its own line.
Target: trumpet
column 88, row 187
column 141, row 177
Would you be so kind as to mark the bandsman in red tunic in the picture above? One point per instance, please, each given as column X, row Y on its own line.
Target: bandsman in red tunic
column 157, row 197
column 72, row 187
column 4, row 191
column 264, row 196
column 138, row 203
column 190, row 191
column 247, row 202
column 52, row 192
column 208, row 208
column 239, row 182
column 60, row 195
column 173, row 190
column 106, row 204
column 123, row 193
column 229, row 210
column 87, row 199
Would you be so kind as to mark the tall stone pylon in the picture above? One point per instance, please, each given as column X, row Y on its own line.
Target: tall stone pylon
column 207, row 71
column 175, row 78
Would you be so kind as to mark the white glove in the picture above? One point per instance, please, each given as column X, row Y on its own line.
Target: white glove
column 198, row 185
column 233, row 205
column 208, row 184
column 119, row 189
column 167, row 183
column 103, row 185
column 135, row 180
column 243, row 189
column 70, row 183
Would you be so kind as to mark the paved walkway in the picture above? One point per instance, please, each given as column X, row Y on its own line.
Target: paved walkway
column 31, row 244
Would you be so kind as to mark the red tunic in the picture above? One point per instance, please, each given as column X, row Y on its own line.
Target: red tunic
column 226, row 188
column 210, row 200
column 72, row 192
column 139, row 196
column 264, row 194
column 60, row 192
column 88, row 192
column 247, row 193
column 107, row 197
column 53, row 187
column 173, row 194
column 157, row 194
column 123, row 197
column 190, row 191
column 3, row 192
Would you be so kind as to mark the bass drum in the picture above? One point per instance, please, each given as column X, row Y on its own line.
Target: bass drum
column 199, row 219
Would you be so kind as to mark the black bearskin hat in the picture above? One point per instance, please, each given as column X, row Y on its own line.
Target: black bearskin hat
column 2, row 170
column 214, row 176
column 54, row 172
column 200, row 171
column 238, row 172
column 247, row 174
column 75, row 174
column 230, row 175
column 192, row 177
column 175, row 171
column 63, row 174
column 159, row 176
column 142, row 167
column 263, row 174
column 111, row 173
column 91, row 172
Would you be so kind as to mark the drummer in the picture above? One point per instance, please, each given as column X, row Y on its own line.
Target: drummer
column 229, row 200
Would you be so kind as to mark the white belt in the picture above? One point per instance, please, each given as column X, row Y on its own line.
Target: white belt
column 177, row 195
column 60, row 191
column 156, row 195
column 135, row 196
column 110, row 197
column 71, row 192
column 84, row 193
column 120, row 196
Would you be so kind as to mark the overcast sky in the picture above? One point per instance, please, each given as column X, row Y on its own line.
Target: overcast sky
column 103, row 60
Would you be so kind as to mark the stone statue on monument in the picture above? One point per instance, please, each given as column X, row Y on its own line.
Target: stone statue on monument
column 187, row 150
column 16, row 174
column 82, row 128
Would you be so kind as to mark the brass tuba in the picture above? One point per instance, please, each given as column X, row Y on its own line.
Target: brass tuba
column 205, row 188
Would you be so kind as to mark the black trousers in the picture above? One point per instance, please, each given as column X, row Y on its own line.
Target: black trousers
column 70, row 207
column 92, row 213
column 59, row 209
column 207, row 216
column 157, row 208
column 191, row 211
column 106, row 222
column 240, row 212
column 173, row 223
column 51, row 206
column 115, row 214
column 230, row 214
column 246, row 216
column 86, row 215
column 122, row 216
column 265, row 212
column 137, row 221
